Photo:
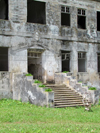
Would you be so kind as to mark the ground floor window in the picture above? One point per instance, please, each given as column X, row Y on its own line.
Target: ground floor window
column 98, row 62
column 3, row 59
column 65, row 61
column 81, row 62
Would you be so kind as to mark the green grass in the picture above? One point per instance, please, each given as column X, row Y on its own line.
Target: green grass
column 48, row 90
column 28, row 74
column 17, row 117
column 37, row 81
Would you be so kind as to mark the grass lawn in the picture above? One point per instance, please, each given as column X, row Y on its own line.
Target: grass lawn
column 17, row 117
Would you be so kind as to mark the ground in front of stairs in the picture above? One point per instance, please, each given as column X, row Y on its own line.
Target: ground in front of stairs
column 18, row 117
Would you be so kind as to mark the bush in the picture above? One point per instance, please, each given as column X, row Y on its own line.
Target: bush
column 37, row 81
column 92, row 88
column 41, row 85
column 48, row 90
column 28, row 74
column 65, row 71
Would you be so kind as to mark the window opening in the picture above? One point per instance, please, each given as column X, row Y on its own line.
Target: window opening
column 81, row 18
column 81, row 62
column 4, row 9
column 36, row 12
column 3, row 59
column 98, row 62
column 65, row 16
column 98, row 21
column 65, row 61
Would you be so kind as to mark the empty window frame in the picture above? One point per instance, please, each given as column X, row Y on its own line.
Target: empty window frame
column 81, row 62
column 81, row 18
column 98, row 62
column 65, row 61
column 65, row 16
column 3, row 59
column 4, row 9
column 36, row 12
column 98, row 21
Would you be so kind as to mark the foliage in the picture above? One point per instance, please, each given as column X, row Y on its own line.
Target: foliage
column 18, row 117
column 79, row 81
column 48, row 90
column 92, row 88
column 41, row 85
column 28, row 74
column 65, row 71
column 37, row 81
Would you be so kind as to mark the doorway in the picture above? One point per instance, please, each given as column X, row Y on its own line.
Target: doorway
column 65, row 61
column 35, row 63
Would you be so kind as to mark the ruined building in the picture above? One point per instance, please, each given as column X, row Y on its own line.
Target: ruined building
column 44, row 37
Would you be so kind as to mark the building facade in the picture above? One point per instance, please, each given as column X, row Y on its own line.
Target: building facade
column 45, row 37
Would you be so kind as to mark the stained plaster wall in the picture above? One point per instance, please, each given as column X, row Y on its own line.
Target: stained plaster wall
column 19, row 35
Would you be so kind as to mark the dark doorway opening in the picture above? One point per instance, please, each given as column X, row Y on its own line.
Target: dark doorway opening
column 65, row 61
column 98, row 62
column 3, row 59
column 98, row 21
column 81, row 62
column 36, row 12
column 35, row 64
column 4, row 9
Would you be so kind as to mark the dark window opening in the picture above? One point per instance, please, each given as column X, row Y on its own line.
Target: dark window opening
column 81, row 19
column 81, row 62
column 36, row 12
column 65, row 61
column 4, row 9
column 3, row 59
column 98, row 21
column 98, row 62
column 65, row 16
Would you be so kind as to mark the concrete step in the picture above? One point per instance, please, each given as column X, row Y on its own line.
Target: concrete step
column 65, row 103
column 72, row 105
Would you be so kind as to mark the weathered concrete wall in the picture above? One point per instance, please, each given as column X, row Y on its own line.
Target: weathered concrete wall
column 5, row 85
column 26, row 90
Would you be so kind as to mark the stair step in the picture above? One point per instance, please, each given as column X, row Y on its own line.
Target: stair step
column 69, row 100
column 73, row 105
column 66, row 94
column 67, row 103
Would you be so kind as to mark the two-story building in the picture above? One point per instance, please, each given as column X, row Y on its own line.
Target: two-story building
column 47, row 36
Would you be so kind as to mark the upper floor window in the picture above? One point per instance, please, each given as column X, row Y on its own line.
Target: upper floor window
column 4, row 9
column 36, row 12
column 98, row 21
column 81, row 18
column 65, row 16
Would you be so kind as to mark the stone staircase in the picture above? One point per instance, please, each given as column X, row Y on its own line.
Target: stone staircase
column 65, row 96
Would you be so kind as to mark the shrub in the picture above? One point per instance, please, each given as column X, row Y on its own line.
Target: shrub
column 65, row 71
column 37, row 81
column 48, row 90
column 28, row 74
column 41, row 85
column 92, row 88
